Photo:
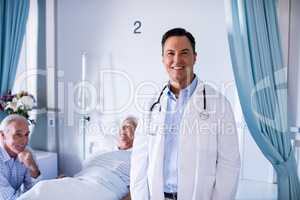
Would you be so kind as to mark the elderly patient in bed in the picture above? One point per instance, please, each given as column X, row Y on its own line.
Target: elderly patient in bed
column 104, row 176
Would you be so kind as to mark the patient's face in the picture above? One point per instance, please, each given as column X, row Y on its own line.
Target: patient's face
column 126, row 135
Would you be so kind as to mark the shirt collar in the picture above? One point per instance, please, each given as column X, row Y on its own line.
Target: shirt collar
column 187, row 91
column 4, row 155
column 117, row 148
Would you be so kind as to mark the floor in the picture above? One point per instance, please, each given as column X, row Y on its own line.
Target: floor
column 254, row 190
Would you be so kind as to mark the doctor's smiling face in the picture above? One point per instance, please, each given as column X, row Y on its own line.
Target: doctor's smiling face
column 179, row 57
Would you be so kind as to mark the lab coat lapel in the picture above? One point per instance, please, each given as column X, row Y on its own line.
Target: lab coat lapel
column 156, row 152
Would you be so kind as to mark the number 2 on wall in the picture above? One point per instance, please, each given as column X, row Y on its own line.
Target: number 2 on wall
column 137, row 25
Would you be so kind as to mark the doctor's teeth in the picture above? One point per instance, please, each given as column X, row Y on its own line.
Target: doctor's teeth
column 177, row 67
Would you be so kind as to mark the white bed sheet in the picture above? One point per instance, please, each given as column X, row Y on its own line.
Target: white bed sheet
column 69, row 189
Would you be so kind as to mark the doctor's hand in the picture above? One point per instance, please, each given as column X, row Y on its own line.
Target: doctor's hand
column 26, row 158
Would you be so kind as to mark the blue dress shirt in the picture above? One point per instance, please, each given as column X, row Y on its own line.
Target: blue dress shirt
column 175, row 108
column 13, row 174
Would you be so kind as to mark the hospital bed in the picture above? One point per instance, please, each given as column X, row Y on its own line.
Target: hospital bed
column 99, row 179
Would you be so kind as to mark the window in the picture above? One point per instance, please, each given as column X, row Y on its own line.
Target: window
column 26, row 77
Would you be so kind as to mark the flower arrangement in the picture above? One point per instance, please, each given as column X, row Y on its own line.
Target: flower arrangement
column 20, row 103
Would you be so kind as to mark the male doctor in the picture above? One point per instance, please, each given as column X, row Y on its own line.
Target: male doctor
column 186, row 145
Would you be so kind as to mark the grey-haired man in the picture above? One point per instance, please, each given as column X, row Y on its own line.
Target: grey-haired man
column 17, row 166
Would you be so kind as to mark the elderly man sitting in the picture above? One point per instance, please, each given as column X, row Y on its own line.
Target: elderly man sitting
column 105, row 176
column 17, row 166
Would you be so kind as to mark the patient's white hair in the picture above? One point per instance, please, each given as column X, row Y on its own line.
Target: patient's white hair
column 132, row 119
column 9, row 119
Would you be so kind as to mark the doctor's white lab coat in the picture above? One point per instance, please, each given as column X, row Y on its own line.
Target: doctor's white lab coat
column 208, row 155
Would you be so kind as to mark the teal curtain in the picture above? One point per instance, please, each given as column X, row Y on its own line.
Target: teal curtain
column 13, row 18
column 261, row 81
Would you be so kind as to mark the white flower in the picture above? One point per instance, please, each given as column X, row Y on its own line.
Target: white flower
column 12, row 105
column 27, row 102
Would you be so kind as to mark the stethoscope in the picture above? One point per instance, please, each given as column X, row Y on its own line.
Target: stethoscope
column 203, row 114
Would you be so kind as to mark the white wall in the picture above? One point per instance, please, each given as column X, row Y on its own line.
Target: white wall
column 104, row 30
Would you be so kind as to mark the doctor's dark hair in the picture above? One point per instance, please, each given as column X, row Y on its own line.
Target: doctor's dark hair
column 178, row 32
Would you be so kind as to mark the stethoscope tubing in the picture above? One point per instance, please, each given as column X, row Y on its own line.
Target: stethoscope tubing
column 161, row 93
